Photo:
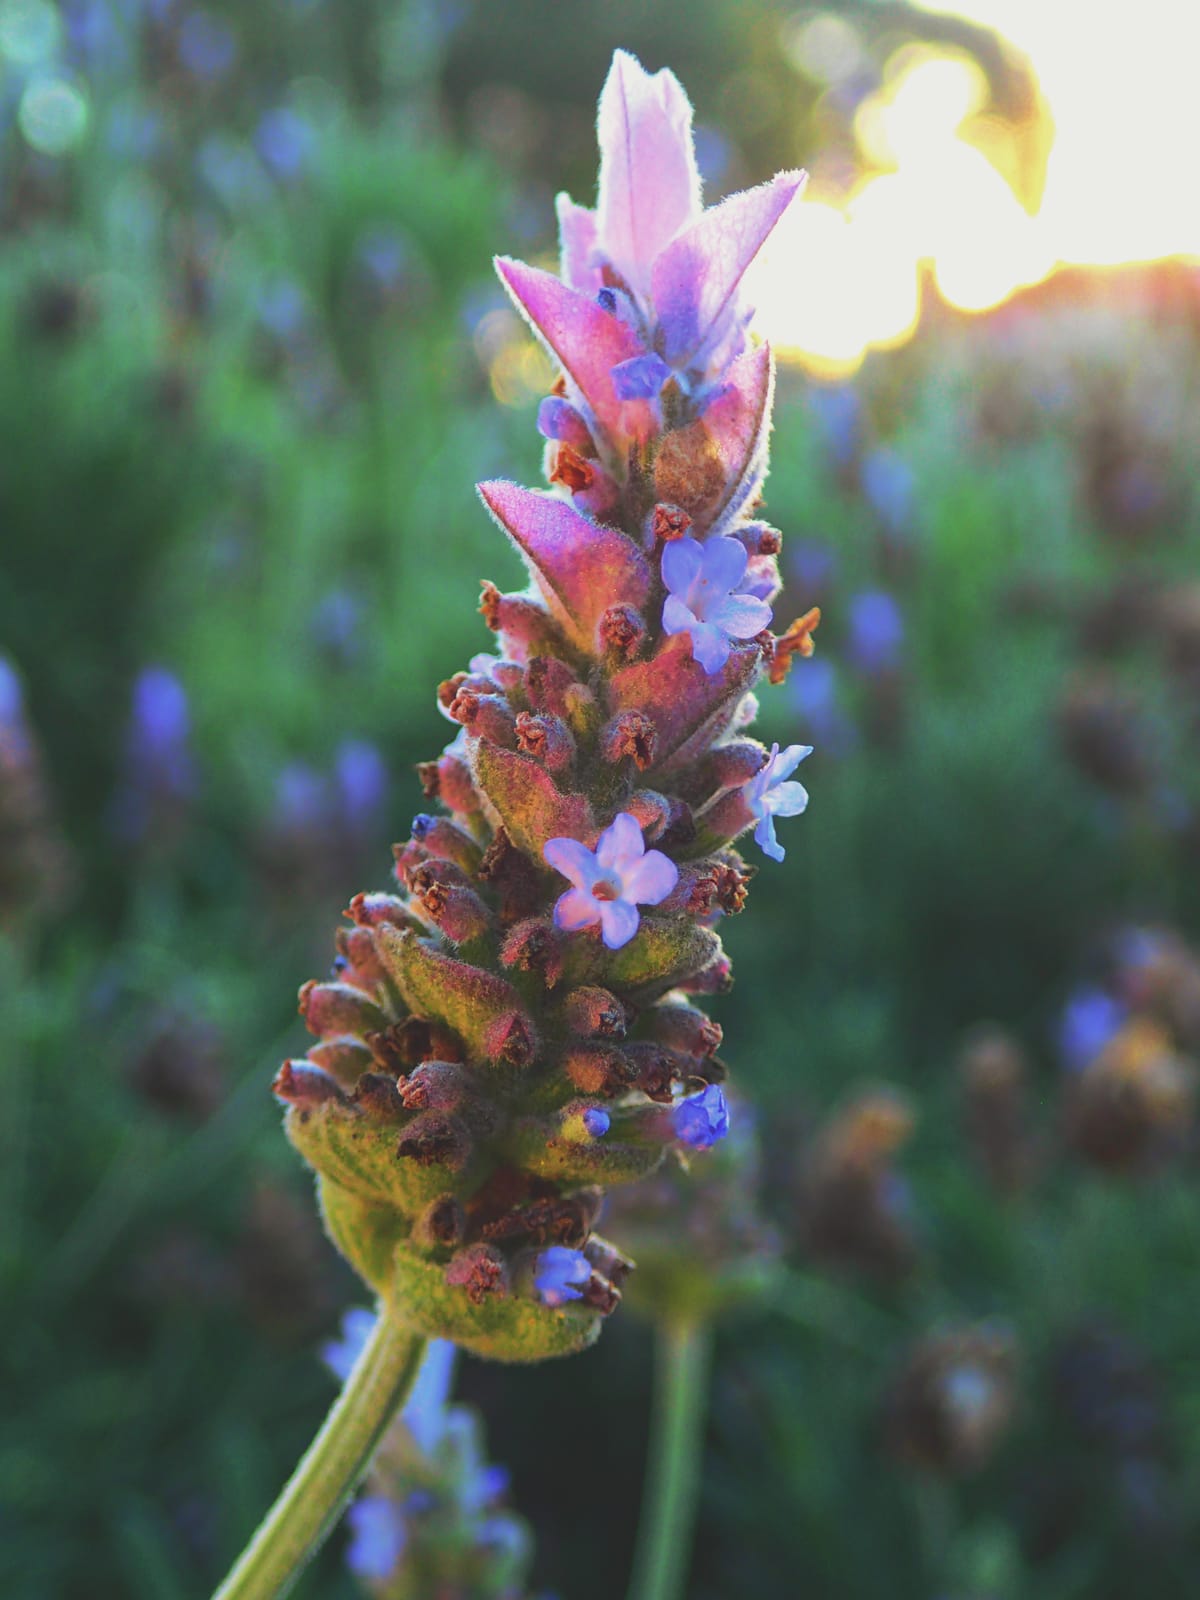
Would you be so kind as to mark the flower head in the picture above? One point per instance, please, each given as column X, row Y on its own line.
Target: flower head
column 560, row 1274
column 702, row 602
column 1090, row 1019
column 611, row 882
column 702, row 1119
column 769, row 796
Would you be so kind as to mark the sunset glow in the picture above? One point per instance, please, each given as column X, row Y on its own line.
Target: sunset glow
column 1111, row 142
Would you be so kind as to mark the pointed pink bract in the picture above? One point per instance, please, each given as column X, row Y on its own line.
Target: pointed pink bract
column 582, row 567
column 586, row 339
column 578, row 264
column 649, row 183
column 696, row 278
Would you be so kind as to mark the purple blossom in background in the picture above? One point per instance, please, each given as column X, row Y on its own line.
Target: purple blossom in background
column 485, row 1487
column 159, row 775
column 301, row 798
column 812, row 565
column 876, row 637
column 887, row 483
column 207, row 46
column 386, row 255
column 336, row 622
column 769, row 795
column 424, row 1411
column 286, row 142
column 1090, row 1019
column 611, row 882
column 14, row 735
column 362, row 782
column 559, row 1274
column 340, row 1354
column 837, row 411
column 377, row 1537
column 815, row 695
column 702, row 1119
column 701, row 602
column 283, row 309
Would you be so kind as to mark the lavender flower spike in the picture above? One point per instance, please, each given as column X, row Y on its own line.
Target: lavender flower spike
column 702, row 602
column 611, row 883
column 471, row 1091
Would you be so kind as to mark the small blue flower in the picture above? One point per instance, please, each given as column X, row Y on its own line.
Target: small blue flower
column 559, row 1274
column 485, row 1487
column 769, row 796
column 610, row 882
column 702, row 1118
column 876, row 631
column 596, row 1122
column 377, row 1537
column 340, row 1354
column 641, row 378
column 701, row 580
column 1090, row 1019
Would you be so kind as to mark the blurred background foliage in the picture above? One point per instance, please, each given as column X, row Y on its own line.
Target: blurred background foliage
column 252, row 365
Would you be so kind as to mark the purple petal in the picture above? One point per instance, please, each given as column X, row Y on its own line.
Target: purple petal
column 788, row 799
column 676, row 617
column 582, row 567
column 618, row 922
column 725, row 563
column 575, row 910
column 641, row 378
column 577, row 246
column 764, row 837
column 696, row 277
column 783, row 765
column 621, row 841
column 741, row 616
column 682, row 564
column 649, row 185
column 588, row 341
column 738, row 421
column 710, row 646
column 574, row 860
column 650, row 880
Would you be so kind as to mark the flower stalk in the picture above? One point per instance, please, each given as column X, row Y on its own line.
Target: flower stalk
column 321, row 1486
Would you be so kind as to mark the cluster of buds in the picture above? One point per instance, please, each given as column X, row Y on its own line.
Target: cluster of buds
column 432, row 1518
column 994, row 1078
column 514, row 1030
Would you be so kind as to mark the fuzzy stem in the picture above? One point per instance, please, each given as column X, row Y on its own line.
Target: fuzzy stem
column 331, row 1469
column 660, row 1566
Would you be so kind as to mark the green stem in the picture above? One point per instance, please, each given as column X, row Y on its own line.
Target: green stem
column 662, row 1558
column 332, row 1468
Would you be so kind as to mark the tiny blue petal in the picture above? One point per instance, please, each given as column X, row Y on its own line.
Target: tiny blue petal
column 641, row 378
column 596, row 1122
column 339, row 1355
column 702, row 1119
column 377, row 1537
column 559, row 1274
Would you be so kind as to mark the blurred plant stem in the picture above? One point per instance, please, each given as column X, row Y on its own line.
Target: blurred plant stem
column 331, row 1469
column 660, row 1564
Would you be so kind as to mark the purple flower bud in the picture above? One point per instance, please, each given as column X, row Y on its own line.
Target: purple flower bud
column 876, row 631
column 702, row 1118
column 559, row 1275
column 377, row 1537
column 641, row 378
column 596, row 1122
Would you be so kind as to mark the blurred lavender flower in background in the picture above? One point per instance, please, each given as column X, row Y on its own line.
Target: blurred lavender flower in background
column 1090, row 1018
column 876, row 632
column 159, row 778
column 286, row 141
column 207, row 46
column 889, row 489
